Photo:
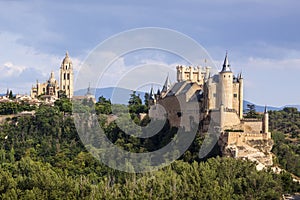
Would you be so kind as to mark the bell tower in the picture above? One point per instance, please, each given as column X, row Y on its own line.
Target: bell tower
column 66, row 76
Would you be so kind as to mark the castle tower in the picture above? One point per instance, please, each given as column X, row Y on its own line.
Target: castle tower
column 241, row 95
column 66, row 76
column 226, row 85
column 266, row 121
column 222, row 117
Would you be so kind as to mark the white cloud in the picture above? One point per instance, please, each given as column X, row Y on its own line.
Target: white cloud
column 8, row 69
column 21, row 65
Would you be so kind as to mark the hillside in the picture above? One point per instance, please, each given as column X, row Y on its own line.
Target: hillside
column 42, row 157
column 285, row 127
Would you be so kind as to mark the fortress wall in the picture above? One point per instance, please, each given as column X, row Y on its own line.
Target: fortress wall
column 252, row 126
column 238, row 138
column 212, row 93
column 236, row 95
column 191, row 91
column 172, row 106
column 179, row 115
column 231, row 119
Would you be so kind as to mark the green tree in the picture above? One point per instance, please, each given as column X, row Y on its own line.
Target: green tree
column 11, row 96
column 251, row 112
column 135, row 104
column 103, row 106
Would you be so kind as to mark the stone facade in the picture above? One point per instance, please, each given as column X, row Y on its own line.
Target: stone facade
column 49, row 90
column 199, row 97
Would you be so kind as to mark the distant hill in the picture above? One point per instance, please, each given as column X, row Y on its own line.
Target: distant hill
column 116, row 95
column 260, row 108
column 122, row 95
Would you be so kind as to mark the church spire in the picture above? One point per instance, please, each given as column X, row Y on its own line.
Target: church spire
column 226, row 66
column 167, row 85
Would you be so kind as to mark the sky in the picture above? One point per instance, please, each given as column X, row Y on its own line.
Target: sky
column 261, row 37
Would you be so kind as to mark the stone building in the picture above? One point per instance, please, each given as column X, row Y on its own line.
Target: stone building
column 50, row 89
column 199, row 100
column 66, row 77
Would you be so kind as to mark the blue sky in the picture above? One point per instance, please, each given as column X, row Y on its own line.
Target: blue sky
column 262, row 37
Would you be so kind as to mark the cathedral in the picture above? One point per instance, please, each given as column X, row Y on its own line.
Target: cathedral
column 52, row 89
column 199, row 100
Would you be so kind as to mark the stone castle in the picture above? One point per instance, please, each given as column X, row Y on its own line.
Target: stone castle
column 51, row 89
column 217, row 99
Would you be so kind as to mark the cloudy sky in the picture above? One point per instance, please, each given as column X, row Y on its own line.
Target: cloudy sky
column 261, row 37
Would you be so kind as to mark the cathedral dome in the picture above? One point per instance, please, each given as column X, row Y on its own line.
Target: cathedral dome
column 67, row 59
column 52, row 80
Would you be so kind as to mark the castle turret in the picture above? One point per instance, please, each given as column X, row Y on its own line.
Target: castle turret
column 152, row 99
column 158, row 94
column 166, row 86
column 266, row 121
column 241, row 95
column 226, row 85
column 222, row 117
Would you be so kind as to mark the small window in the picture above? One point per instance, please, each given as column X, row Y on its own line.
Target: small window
column 64, row 87
column 66, row 66
column 68, row 87
column 224, row 76
column 235, row 95
column 179, row 114
column 68, row 76
column 64, row 76
column 215, row 95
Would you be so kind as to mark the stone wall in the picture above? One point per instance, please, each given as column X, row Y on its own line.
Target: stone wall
column 252, row 125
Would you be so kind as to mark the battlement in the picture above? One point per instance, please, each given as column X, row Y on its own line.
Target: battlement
column 238, row 138
column 194, row 74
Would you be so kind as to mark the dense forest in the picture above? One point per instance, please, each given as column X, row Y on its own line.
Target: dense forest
column 42, row 157
column 285, row 126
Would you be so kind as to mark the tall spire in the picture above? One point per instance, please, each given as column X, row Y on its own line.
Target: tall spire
column 167, row 85
column 240, row 76
column 89, row 90
column 266, row 109
column 151, row 95
column 158, row 92
column 226, row 66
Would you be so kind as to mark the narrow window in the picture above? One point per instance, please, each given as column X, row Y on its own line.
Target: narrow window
column 68, row 76
column 64, row 76
column 179, row 114
column 235, row 95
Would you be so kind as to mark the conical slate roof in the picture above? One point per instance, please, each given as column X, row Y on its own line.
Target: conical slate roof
column 226, row 66
column 167, row 85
